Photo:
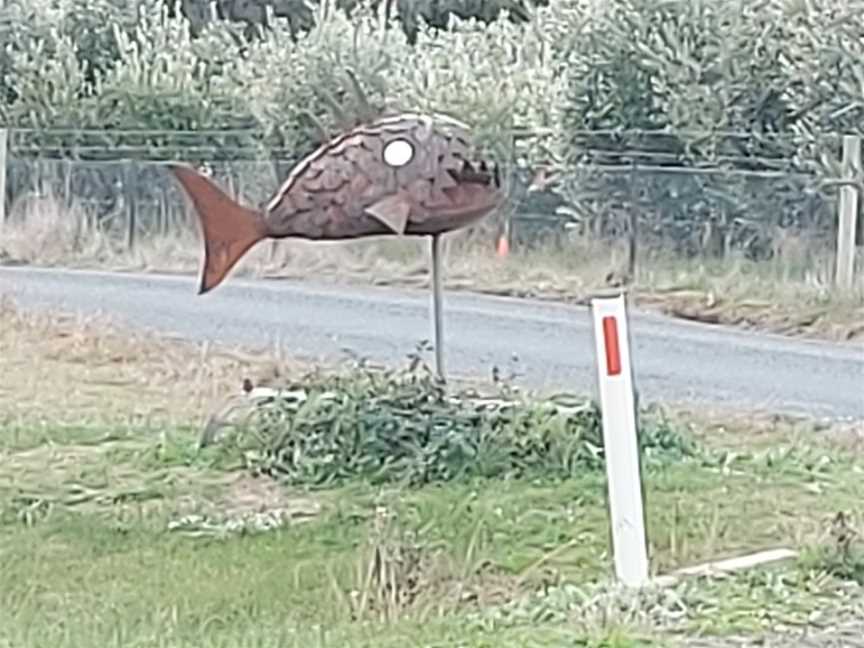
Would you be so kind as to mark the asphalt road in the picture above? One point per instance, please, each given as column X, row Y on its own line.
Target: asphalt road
column 674, row 361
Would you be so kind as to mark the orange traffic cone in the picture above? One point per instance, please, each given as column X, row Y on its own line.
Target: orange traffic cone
column 503, row 246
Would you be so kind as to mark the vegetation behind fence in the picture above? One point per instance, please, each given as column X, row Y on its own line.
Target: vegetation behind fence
column 115, row 181
column 709, row 127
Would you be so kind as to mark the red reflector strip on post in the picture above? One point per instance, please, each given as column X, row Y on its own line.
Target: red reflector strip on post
column 610, row 341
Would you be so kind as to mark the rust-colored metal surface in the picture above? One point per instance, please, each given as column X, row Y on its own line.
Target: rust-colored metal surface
column 407, row 174
column 350, row 188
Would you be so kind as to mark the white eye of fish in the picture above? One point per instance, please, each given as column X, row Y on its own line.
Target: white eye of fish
column 398, row 153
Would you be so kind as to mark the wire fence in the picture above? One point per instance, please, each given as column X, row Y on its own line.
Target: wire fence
column 648, row 192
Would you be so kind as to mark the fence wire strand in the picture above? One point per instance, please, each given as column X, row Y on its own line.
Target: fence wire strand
column 683, row 205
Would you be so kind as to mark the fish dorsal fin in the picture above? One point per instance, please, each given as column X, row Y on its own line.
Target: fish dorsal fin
column 392, row 211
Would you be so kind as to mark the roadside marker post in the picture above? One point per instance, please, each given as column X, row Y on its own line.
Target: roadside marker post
column 618, row 407
column 4, row 146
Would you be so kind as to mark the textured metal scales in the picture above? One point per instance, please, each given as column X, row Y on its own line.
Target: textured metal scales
column 407, row 174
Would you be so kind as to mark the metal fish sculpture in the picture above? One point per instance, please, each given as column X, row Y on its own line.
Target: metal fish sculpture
column 403, row 175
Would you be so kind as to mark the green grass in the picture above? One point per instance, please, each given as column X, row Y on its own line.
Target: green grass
column 87, row 557
column 402, row 518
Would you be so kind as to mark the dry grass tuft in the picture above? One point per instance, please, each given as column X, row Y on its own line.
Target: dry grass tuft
column 790, row 294
column 749, row 431
column 42, row 230
column 73, row 370
column 399, row 574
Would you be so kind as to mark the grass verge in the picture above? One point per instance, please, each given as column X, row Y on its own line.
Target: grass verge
column 792, row 294
column 146, row 541
column 123, row 530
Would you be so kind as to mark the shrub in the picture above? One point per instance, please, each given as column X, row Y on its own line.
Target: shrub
column 386, row 426
column 747, row 94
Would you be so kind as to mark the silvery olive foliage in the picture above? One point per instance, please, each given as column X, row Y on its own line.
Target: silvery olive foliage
column 757, row 86
column 793, row 68
column 750, row 95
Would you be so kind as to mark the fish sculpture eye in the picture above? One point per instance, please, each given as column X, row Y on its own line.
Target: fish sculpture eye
column 398, row 153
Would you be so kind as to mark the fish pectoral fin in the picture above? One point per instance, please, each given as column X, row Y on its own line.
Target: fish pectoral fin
column 392, row 211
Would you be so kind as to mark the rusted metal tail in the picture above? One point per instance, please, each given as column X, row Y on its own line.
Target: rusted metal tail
column 228, row 228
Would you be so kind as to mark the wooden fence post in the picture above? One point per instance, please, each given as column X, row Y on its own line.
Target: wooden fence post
column 4, row 145
column 848, row 211
column 131, row 190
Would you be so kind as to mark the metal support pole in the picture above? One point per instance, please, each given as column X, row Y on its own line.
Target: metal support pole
column 437, row 299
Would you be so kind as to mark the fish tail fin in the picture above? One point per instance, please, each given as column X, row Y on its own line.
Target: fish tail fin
column 229, row 229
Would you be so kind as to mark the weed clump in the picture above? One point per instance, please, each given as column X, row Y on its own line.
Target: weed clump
column 403, row 426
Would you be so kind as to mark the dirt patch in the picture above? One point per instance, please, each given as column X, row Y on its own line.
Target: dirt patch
column 243, row 504
column 247, row 495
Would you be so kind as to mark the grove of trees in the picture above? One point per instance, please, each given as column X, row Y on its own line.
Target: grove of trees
column 615, row 96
